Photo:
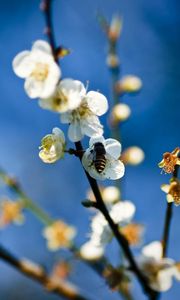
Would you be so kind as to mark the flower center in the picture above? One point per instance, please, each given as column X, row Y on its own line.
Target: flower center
column 40, row 71
column 83, row 110
column 60, row 101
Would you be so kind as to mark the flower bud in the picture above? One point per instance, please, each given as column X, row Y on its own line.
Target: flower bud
column 119, row 113
column 115, row 28
column 111, row 194
column 133, row 156
column 129, row 84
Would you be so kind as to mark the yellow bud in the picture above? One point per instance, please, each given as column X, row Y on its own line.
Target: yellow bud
column 119, row 113
column 111, row 194
column 129, row 84
column 115, row 28
column 133, row 156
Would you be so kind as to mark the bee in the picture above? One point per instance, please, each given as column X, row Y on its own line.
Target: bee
column 99, row 159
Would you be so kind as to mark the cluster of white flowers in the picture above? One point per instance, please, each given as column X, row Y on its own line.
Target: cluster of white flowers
column 159, row 270
column 101, row 234
column 77, row 107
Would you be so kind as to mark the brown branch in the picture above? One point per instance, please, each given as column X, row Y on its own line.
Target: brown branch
column 168, row 219
column 38, row 274
column 46, row 6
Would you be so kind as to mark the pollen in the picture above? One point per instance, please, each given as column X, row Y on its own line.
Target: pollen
column 40, row 71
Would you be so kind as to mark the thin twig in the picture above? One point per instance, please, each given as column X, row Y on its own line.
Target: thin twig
column 168, row 219
column 46, row 6
column 38, row 274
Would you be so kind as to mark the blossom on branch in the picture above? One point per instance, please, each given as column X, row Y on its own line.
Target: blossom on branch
column 160, row 271
column 170, row 160
column 59, row 235
column 52, row 146
column 84, row 119
column 113, row 167
column 39, row 69
column 67, row 96
column 10, row 212
column 173, row 191
column 101, row 234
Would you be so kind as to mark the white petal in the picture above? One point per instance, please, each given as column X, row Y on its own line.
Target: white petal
column 113, row 147
column 90, row 252
column 96, row 139
column 22, row 64
column 51, row 81
column 122, row 212
column 169, row 198
column 164, row 280
column 57, row 131
column 165, row 188
column 74, row 132
column 97, row 103
column 33, row 87
column 153, row 250
column 91, row 126
column 70, row 85
column 114, row 169
column 42, row 46
column 66, row 118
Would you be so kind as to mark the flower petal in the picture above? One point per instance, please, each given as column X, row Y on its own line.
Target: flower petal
column 69, row 85
column 97, row 103
column 90, row 252
column 113, row 148
column 96, row 139
column 66, row 118
column 51, row 81
column 42, row 46
column 169, row 198
column 57, row 131
column 91, row 126
column 74, row 132
column 114, row 169
column 164, row 280
column 122, row 212
column 153, row 250
column 165, row 188
column 33, row 87
column 22, row 64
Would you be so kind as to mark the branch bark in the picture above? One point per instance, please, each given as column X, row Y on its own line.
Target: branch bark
column 38, row 274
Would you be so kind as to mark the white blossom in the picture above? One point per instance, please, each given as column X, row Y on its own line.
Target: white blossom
column 67, row 96
column 90, row 251
column 84, row 119
column 114, row 168
column 101, row 233
column 39, row 69
column 52, row 146
column 159, row 270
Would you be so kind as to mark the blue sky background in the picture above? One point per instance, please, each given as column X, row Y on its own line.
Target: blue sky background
column 149, row 47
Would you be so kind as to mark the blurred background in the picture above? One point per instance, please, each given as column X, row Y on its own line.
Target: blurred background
column 149, row 47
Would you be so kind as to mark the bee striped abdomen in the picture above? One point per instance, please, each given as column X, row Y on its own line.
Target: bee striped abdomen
column 99, row 159
column 100, row 163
